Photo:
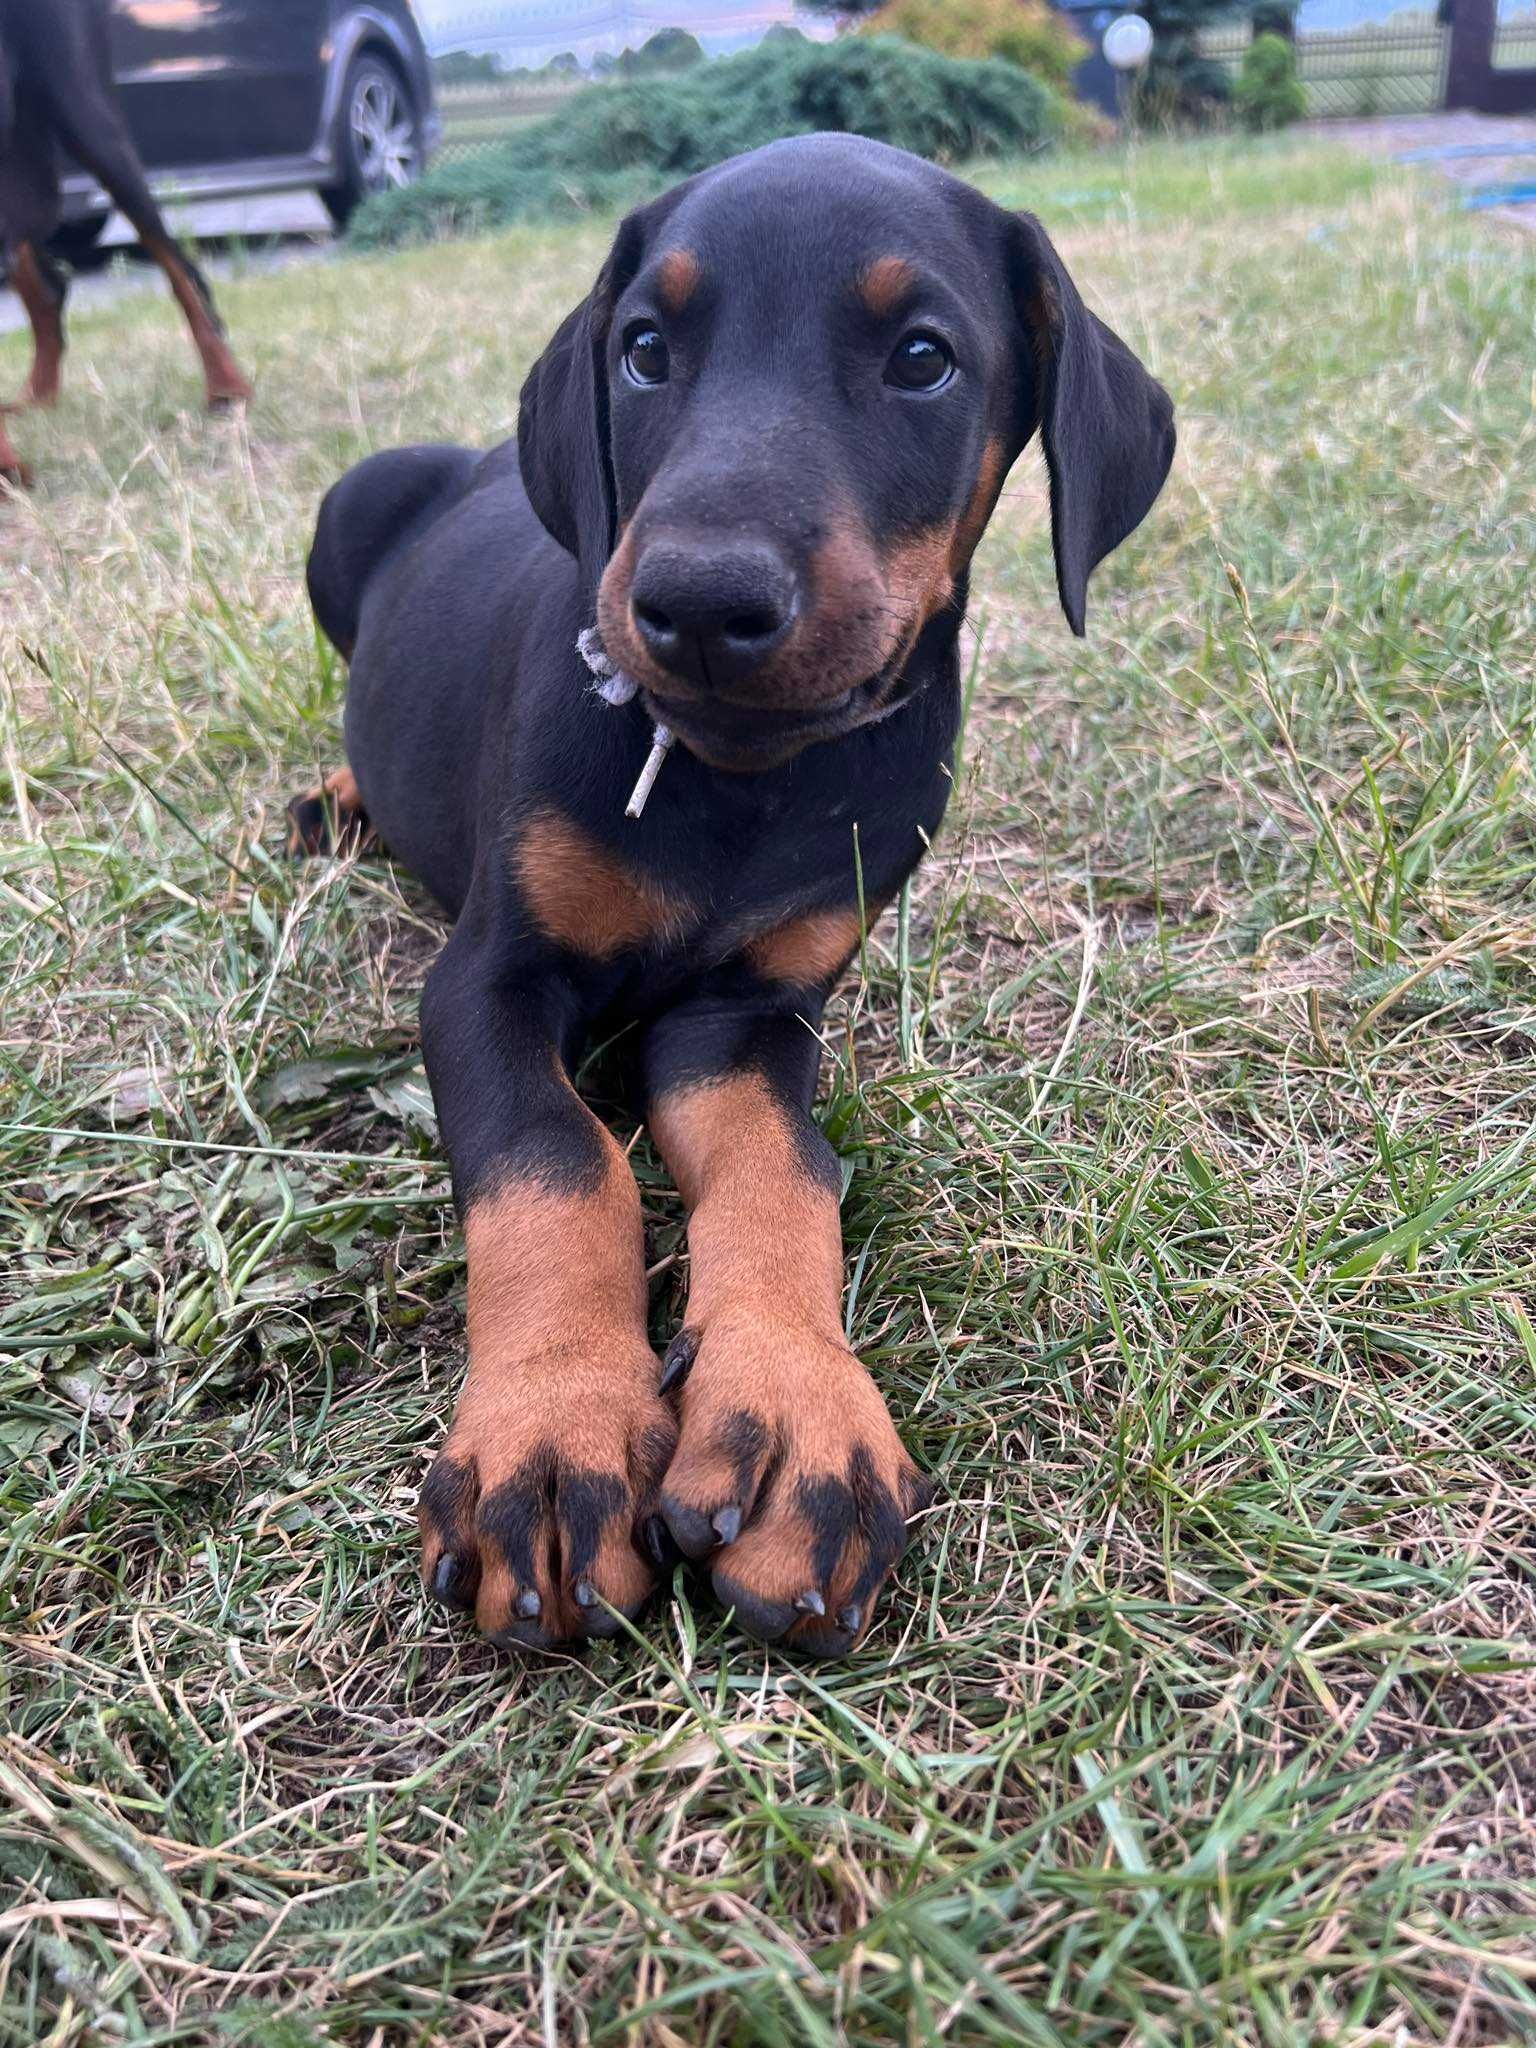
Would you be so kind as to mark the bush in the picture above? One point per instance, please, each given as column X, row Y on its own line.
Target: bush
column 614, row 144
column 670, row 49
column 1269, row 92
column 1180, row 88
column 1028, row 33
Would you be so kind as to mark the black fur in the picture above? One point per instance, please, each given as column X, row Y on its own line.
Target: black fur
column 777, row 449
column 457, row 585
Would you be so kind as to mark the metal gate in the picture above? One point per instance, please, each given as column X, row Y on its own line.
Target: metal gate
column 1492, row 67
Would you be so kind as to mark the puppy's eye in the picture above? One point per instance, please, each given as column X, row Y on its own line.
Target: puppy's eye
column 645, row 356
column 920, row 363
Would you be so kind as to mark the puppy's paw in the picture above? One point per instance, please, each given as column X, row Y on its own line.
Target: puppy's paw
column 542, row 1502
column 790, row 1479
column 328, row 818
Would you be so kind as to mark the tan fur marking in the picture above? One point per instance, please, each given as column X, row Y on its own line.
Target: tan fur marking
column 866, row 611
column 562, row 1384
column 677, row 279
column 585, row 899
column 919, row 578
column 973, row 521
column 776, row 1409
column 42, row 387
column 346, row 820
column 547, row 1269
column 763, row 1236
column 806, row 951
column 883, row 284
column 222, row 379
column 341, row 787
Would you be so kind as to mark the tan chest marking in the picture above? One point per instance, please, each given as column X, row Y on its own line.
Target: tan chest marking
column 586, row 899
column 809, row 951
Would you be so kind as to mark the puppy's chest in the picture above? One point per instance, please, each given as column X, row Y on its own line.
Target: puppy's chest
column 788, row 918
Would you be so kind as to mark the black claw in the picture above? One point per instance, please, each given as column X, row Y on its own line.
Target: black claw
column 678, row 1362
column 692, row 1531
column 851, row 1617
column 519, row 1635
column 445, row 1580
column 586, row 1593
column 658, row 1542
column 819, row 1639
column 529, row 1603
column 810, row 1602
column 727, row 1523
column 919, row 1490
column 765, row 1619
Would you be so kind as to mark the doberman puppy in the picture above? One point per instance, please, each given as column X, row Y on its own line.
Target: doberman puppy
column 759, row 455
column 56, row 91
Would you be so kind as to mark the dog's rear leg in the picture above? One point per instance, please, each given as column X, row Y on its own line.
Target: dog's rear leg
column 104, row 147
column 41, row 286
column 221, row 373
column 29, row 209
column 328, row 818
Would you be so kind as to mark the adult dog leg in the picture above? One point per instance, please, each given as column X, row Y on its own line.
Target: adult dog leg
column 102, row 143
column 29, row 212
column 536, row 1511
column 789, row 1475
column 41, row 286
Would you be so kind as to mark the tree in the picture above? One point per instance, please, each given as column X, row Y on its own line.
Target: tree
column 1179, row 84
column 1029, row 33
column 459, row 67
column 670, row 49
column 1269, row 92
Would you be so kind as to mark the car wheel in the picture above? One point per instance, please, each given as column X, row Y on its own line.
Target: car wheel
column 378, row 138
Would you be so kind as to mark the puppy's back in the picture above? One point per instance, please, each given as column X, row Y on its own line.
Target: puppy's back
column 365, row 521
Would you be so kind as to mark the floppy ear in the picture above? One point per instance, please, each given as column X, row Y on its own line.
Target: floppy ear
column 562, row 433
column 1105, row 425
column 563, row 447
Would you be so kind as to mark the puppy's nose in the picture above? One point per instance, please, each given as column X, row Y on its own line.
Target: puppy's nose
column 712, row 612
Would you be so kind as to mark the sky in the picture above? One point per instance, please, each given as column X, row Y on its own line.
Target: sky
column 529, row 30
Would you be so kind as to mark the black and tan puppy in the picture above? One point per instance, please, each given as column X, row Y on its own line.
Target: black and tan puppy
column 759, row 456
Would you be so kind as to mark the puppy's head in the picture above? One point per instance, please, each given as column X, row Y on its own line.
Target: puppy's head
column 775, row 431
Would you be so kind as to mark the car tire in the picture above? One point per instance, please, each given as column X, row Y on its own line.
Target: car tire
column 378, row 137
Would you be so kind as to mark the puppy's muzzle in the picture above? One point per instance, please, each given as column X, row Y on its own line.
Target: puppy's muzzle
column 712, row 612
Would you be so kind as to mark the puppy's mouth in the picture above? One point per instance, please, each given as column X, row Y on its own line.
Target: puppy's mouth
column 747, row 739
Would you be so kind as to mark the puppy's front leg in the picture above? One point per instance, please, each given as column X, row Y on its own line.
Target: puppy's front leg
column 789, row 1474
column 536, row 1509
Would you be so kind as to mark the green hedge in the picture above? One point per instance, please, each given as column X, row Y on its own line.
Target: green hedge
column 615, row 144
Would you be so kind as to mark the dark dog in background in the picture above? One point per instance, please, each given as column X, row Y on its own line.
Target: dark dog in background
column 759, row 455
column 57, row 93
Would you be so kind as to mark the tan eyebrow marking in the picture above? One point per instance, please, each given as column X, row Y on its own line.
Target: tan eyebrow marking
column 882, row 284
column 677, row 278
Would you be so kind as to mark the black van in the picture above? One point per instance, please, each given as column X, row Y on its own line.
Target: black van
column 226, row 98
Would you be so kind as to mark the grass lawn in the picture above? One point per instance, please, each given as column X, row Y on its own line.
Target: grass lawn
column 1191, row 1219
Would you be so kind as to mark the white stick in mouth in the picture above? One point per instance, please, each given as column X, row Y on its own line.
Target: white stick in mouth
column 614, row 687
column 661, row 741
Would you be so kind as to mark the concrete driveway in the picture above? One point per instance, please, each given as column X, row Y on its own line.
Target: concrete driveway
column 1489, row 155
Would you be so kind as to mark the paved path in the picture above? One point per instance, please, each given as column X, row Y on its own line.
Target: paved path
column 284, row 228
column 1472, row 149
